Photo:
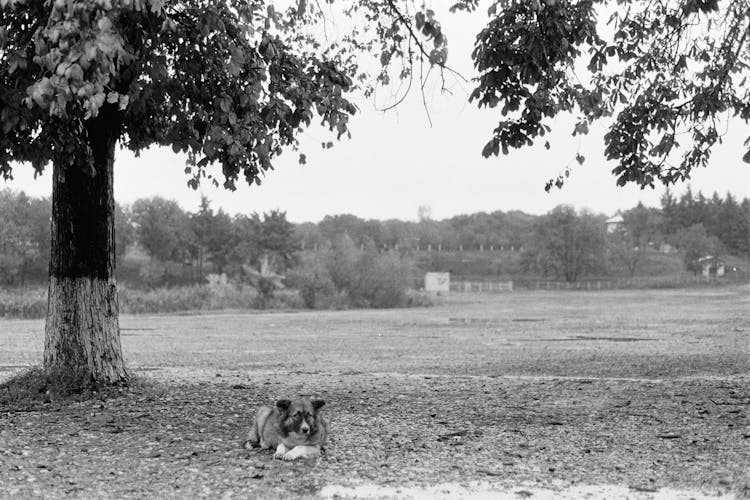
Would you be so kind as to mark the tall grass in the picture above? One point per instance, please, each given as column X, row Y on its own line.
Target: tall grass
column 202, row 298
column 32, row 303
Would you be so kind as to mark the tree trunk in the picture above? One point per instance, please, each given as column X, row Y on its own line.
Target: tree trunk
column 82, row 333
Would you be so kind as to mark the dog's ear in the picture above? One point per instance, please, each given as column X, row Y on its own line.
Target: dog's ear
column 283, row 404
column 317, row 404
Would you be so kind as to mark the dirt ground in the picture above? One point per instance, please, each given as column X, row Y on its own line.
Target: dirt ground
column 637, row 394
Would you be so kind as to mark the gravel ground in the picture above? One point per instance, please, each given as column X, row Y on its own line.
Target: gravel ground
column 519, row 395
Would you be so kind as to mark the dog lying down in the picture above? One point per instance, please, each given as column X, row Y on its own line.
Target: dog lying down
column 293, row 427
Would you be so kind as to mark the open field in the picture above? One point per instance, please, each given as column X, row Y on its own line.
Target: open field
column 646, row 390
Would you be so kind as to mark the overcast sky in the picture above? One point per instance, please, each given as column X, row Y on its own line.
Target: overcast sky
column 396, row 162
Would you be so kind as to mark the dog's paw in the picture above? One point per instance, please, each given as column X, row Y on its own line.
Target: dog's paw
column 281, row 450
column 302, row 452
column 249, row 445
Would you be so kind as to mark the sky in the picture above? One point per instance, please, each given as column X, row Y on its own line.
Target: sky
column 397, row 161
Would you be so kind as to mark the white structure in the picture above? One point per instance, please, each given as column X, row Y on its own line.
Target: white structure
column 437, row 282
column 711, row 266
column 614, row 223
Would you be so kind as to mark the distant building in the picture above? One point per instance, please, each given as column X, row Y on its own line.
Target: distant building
column 711, row 266
column 615, row 223
column 437, row 282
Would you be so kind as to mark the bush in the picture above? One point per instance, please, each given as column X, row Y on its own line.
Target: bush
column 344, row 276
column 381, row 280
column 314, row 283
column 188, row 298
column 211, row 297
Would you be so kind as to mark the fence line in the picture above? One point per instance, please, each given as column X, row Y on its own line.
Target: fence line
column 595, row 284
column 481, row 286
column 639, row 282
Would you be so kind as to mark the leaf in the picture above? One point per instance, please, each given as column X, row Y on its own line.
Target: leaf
column 580, row 158
column 302, row 159
column 419, row 20
column 746, row 157
column 582, row 128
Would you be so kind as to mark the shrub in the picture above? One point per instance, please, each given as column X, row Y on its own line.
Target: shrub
column 344, row 275
column 381, row 280
column 314, row 283
column 27, row 303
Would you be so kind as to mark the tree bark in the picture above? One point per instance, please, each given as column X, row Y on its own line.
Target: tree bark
column 82, row 333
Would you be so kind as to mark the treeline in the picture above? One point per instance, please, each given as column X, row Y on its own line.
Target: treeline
column 485, row 230
column 726, row 219
column 158, row 243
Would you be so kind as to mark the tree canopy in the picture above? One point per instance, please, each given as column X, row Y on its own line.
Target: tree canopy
column 231, row 82
column 225, row 82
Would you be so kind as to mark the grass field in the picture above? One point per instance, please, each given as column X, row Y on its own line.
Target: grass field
column 646, row 390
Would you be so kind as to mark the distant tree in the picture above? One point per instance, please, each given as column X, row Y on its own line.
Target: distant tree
column 341, row 262
column 744, row 233
column 723, row 218
column 695, row 242
column 431, row 232
column 668, row 210
column 278, row 240
column 220, row 239
column 628, row 245
column 24, row 236
column 245, row 247
column 567, row 244
column 213, row 237
column 312, row 279
column 732, row 226
column 200, row 225
column 163, row 228
column 399, row 233
column 124, row 231
column 309, row 235
column 333, row 227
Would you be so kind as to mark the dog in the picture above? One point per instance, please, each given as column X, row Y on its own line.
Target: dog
column 294, row 428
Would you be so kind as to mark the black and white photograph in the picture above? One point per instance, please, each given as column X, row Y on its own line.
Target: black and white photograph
column 375, row 249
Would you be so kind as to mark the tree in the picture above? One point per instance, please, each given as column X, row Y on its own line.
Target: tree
column 163, row 228
column 652, row 71
column 629, row 244
column 213, row 237
column 224, row 82
column 657, row 68
column 696, row 243
column 566, row 244
column 733, row 226
column 124, row 231
column 24, row 236
column 278, row 240
column 247, row 235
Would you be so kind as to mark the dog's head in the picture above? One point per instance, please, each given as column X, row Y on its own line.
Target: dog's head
column 300, row 415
